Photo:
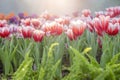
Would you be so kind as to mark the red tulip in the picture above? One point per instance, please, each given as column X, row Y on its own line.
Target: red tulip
column 71, row 35
column 4, row 32
column 27, row 32
column 113, row 29
column 38, row 35
column 101, row 24
column 78, row 27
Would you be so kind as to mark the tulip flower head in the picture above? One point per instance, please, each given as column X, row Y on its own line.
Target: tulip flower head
column 4, row 32
column 78, row 27
column 101, row 24
column 26, row 22
column 3, row 23
column 27, row 32
column 35, row 23
column 38, row 35
column 113, row 29
column 71, row 35
column 53, row 28
column 86, row 12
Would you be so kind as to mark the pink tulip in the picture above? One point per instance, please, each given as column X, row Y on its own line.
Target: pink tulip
column 86, row 12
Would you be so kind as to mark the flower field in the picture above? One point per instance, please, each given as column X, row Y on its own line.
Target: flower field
column 80, row 46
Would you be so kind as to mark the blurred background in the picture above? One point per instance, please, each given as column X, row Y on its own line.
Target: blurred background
column 58, row 7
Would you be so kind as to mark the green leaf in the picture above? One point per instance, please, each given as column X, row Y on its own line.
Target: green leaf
column 51, row 49
column 102, row 76
column 111, row 75
column 114, row 59
column 25, row 66
column 105, row 58
column 93, row 61
column 13, row 53
column 41, row 74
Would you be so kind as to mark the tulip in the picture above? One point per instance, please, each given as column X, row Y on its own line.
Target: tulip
column 4, row 32
column 111, row 14
column 3, row 23
column 78, row 27
column 26, row 22
column 27, row 32
column 38, row 35
column 71, row 35
column 22, row 15
column 115, row 10
column 90, row 25
column 113, row 29
column 53, row 28
column 35, row 23
column 19, row 32
column 45, row 15
column 86, row 12
column 13, row 28
column 63, row 20
column 97, row 26
column 101, row 24
column 14, row 20
column 97, row 14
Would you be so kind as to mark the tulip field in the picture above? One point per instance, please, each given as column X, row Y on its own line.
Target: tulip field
column 82, row 46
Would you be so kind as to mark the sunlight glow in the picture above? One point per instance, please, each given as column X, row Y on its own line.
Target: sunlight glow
column 52, row 6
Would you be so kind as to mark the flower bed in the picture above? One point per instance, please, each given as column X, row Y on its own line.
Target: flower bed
column 50, row 47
